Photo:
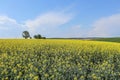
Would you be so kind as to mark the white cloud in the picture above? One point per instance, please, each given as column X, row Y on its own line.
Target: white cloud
column 106, row 27
column 9, row 28
column 52, row 24
column 4, row 20
column 73, row 31
column 48, row 23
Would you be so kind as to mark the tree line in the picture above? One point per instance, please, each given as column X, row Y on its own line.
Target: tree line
column 26, row 35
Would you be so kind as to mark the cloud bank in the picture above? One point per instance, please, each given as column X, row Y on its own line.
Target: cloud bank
column 48, row 23
column 106, row 27
column 9, row 28
column 55, row 24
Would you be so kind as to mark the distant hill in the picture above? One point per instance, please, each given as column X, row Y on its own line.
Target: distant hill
column 75, row 38
column 117, row 39
column 114, row 39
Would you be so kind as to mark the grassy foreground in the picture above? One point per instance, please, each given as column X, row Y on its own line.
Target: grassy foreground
column 59, row 60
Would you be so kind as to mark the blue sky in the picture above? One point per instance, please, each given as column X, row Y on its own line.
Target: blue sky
column 60, row 18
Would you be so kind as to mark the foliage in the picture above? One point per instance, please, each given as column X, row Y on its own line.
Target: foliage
column 59, row 60
column 43, row 37
column 38, row 36
column 26, row 34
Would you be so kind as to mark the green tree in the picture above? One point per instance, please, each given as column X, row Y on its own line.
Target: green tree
column 38, row 36
column 43, row 37
column 26, row 34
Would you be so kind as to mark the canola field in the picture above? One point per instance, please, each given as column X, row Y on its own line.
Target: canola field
column 59, row 60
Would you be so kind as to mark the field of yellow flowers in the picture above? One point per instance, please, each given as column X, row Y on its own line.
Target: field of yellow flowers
column 59, row 60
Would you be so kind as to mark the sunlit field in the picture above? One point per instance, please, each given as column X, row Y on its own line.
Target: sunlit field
column 32, row 59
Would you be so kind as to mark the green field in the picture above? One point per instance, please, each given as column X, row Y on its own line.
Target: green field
column 59, row 60
column 108, row 39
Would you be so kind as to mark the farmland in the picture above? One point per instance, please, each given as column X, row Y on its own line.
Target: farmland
column 59, row 60
column 117, row 39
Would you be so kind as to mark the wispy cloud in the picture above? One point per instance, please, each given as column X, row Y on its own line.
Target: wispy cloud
column 48, row 23
column 73, row 31
column 54, row 24
column 9, row 28
column 106, row 27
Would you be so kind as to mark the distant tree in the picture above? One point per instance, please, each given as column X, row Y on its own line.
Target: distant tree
column 26, row 34
column 30, row 37
column 38, row 36
column 43, row 37
column 35, row 36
